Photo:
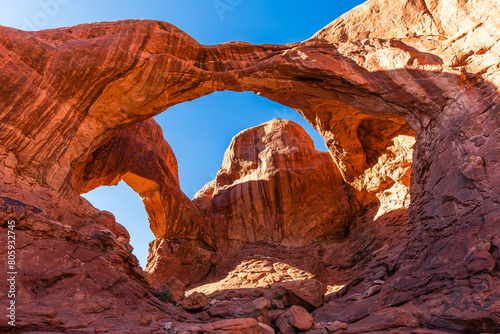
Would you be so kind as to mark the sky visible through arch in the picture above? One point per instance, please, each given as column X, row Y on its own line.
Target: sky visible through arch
column 198, row 131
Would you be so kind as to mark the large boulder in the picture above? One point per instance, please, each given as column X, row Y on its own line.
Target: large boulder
column 195, row 301
column 172, row 291
column 241, row 308
column 307, row 293
column 295, row 319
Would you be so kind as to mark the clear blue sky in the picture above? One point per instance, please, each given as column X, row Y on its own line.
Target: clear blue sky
column 198, row 131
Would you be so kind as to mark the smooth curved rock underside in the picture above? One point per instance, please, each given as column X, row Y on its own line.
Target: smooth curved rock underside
column 384, row 80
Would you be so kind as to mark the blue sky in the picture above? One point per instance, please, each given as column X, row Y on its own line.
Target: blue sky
column 198, row 131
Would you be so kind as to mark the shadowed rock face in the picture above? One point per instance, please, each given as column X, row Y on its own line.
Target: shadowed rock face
column 385, row 71
column 141, row 157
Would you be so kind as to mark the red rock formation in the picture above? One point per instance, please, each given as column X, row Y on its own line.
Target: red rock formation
column 386, row 65
column 454, row 87
column 243, row 265
column 275, row 188
column 195, row 301
column 141, row 157
column 295, row 320
column 230, row 326
column 74, row 269
column 188, row 260
column 86, row 90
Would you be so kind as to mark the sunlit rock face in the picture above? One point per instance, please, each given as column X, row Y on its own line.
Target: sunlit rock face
column 370, row 82
column 274, row 187
column 140, row 156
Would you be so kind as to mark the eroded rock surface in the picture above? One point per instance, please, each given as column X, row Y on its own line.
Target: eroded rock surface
column 141, row 157
column 275, row 188
column 294, row 320
column 384, row 72
column 75, row 270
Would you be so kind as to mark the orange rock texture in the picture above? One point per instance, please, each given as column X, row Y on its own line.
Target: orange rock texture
column 276, row 191
column 388, row 85
column 275, row 188
column 141, row 157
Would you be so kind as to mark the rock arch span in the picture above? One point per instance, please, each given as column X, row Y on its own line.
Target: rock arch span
column 67, row 92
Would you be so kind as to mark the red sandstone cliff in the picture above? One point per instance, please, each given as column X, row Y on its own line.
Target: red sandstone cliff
column 275, row 188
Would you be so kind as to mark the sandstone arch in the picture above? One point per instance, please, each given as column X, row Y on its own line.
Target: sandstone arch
column 61, row 102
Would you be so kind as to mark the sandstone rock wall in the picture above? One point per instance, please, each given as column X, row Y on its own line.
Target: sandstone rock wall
column 275, row 195
column 275, row 188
